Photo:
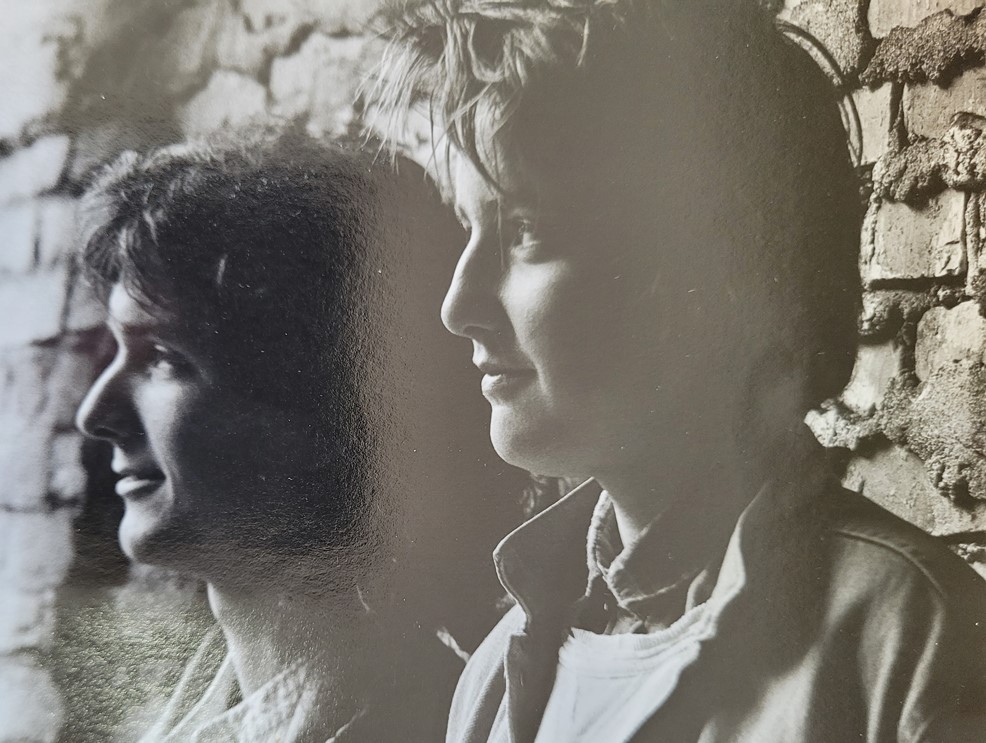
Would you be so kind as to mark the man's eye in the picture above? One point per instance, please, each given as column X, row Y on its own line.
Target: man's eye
column 164, row 360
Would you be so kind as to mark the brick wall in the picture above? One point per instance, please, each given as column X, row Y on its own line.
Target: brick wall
column 83, row 79
column 913, row 414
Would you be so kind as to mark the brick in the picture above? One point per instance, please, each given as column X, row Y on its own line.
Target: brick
column 344, row 16
column 57, row 236
column 837, row 427
column 929, row 108
column 29, row 67
column 963, row 151
column 947, row 336
column 246, row 48
column 84, row 310
column 31, row 708
column 911, row 243
column 23, row 374
column 40, row 391
column 189, row 46
column 36, row 549
column 898, row 480
column 24, row 448
column 320, row 80
column 68, row 476
column 876, row 120
column 837, row 24
column 332, row 111
column 67, row 382
column 18, row 234
column 230, row 99
column 886, row 310
column 31, row 306
column 25, row 426
column 944, row 423
column 876, row 366
column 267, row 14
column 34, row 169
column 27, row 620
column 885, row 15
column 338, row 18
column 98, row 144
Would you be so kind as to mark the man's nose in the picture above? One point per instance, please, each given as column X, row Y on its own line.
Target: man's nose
column 471, row 302
column 106, row 410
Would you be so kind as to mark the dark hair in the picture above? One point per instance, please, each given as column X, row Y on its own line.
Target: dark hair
column 693, row 120
column 260, row 240
column 318, row 275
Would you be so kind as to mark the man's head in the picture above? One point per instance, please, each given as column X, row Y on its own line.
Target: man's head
column 249, row 299
column 663, row 215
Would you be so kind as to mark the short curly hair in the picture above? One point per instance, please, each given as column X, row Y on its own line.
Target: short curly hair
column 694, row 120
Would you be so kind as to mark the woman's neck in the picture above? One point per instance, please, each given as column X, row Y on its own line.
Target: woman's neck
column 642, row 494
column 718, row 476
column 268, row 630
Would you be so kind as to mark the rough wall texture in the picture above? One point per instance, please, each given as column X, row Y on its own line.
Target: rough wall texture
column 83, row 79
column 913, row 414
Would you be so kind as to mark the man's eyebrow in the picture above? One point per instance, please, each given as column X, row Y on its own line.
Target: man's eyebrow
column 134, row 328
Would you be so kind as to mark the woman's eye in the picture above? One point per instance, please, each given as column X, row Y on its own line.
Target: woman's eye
column 525, row 234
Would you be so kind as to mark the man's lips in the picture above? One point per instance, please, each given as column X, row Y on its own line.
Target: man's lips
column 135, row 484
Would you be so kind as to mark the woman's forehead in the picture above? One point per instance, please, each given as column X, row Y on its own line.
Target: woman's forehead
column 501, row 175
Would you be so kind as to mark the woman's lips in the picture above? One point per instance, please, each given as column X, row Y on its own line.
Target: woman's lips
column 502, row 383
column 138, row 486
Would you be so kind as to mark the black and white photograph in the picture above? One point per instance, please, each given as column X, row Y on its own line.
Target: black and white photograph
column 493, row 371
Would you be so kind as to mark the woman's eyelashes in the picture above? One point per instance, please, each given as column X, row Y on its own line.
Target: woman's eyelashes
column 522, row 236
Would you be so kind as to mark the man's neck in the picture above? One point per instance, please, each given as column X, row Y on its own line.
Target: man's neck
column 268, row 631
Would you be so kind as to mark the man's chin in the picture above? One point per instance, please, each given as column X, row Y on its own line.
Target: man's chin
column 149, row 541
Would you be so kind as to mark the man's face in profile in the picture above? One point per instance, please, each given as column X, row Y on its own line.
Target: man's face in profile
column 582, row 363
column 202, row 469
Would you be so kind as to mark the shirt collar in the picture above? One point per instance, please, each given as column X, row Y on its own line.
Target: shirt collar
column 542, row 563
column 669, row 557
column 535, row 561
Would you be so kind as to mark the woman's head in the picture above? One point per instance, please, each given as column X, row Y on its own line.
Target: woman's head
column 273, row 329
column 665, row 191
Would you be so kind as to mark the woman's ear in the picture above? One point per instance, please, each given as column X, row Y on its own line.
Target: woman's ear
column 774, row 399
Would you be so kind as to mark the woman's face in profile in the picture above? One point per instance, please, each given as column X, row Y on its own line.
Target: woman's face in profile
column 206, row 474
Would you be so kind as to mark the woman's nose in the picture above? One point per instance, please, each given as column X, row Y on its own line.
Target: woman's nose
column 106, row 411
column 471, row 302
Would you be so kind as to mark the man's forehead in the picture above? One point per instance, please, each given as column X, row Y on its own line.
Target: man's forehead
column 131, row 316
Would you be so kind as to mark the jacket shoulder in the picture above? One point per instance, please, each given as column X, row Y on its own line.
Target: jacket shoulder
column 875, row 549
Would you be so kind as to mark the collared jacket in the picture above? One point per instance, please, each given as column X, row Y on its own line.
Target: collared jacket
column 835, row 622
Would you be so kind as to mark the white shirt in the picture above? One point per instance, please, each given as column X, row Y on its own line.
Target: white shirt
column 205, row 707
column 607, row 686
